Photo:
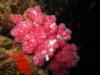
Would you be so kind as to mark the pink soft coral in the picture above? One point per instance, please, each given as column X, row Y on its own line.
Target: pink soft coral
column 64, row 59
column 41, row 37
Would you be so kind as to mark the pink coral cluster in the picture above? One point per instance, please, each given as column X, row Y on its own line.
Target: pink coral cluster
column 64, row 59
column 41, row 37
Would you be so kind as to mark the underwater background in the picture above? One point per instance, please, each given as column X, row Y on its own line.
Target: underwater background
column 77, row 15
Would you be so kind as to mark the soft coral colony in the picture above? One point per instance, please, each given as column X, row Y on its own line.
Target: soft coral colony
column 44, row 40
